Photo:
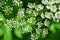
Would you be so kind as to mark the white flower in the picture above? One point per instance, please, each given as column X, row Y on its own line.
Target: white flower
column 27, row 29
column 17, row 2
column 52, row 8
column 22, row 22
column 12, row 23
column 20, row 13
column 51, row 2
column 39, row 7
column 29, row 11
column 46, row 23
column 44, row 2
column 31, row 5
column 33, row 36
column 38, row 31
column 48, row 15
column 55, row 19
column 40, row 24
column 48, row 6
column 8, row 10
column 57, row 14
column 1, row 4
column 45, row 31
column 57, row 1
column 35, row 13
column 31, row 20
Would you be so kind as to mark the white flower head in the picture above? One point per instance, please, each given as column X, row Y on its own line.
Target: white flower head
column 27, row 29
column 17, row 2
column 55, row 19
column 31, row 20
column 45, row 31
column 1, row 4
column 57, row 1
column 38, row 31
column 31, row 5
column 12, row 23
column 51, row 2
column 33, row 36
column 57, row 15
column 29, row 11
column 22, row 22
column 39, row 7
column 46, row 23
column 35, row 13
column 40, row 24
column 52, row 8
column 20, row 13
column 48, row 15
column 44, row 2
column 8, row 10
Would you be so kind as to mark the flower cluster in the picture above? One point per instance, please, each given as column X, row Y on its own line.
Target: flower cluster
column 35, row 19
column 11, row 23
column 18, row 3
column 8, row 10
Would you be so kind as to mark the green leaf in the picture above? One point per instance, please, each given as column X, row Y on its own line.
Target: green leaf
column 57, row 26
column 1, row 31
column 2, row 17
column 44, row 35
column 52, row 28
column 18, row 33
column 7, row 34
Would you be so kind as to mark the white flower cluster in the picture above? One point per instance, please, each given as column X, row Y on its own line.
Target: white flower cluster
column 46, row 23
column 20, row 13
column 17, row 3
column 50, row 2
column 37, row 7
column 52, row 8
column 45, row 31
column 7, row 10
column 31, row 5
column 39, row 30
column 56, row 17
column 1, row 4
column 33, row 36
column 30, row 11
column 49, row 15
column 12, row 23
column 22, row 22
column 40, row 24
column 29, row 18
column 26, row 29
